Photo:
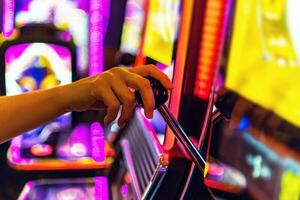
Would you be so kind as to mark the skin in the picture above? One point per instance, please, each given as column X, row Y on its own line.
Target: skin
column 111, row 90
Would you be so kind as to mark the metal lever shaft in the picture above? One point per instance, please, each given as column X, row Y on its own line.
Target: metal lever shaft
column 182, row 137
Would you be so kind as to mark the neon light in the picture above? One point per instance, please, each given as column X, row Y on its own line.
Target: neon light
column 99, row 11
column 183, row 39
column 18, row 162
column 101, row 188
column 79, row 141
column 78, row 150
column 8, row 17
column 41, row 150
column 98, row 142
column 211, row 43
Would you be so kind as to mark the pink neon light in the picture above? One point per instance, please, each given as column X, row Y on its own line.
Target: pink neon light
column 101, row 188
column 98, row 142
column 99, row 12
column 8, row 17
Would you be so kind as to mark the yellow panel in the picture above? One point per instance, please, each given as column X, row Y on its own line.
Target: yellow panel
column 263, row 66
column 161, row 30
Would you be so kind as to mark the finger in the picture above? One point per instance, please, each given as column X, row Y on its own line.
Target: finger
column 98, row 105
column 151, row 70
column 111, row 101
column 126, row 114
column 143, row 86
column 127, row 99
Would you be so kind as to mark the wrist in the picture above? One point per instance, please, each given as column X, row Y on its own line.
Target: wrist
column 63, row 97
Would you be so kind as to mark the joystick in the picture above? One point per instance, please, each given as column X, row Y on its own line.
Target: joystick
column 161, row 96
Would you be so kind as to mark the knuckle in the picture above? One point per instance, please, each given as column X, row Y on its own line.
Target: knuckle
column 107, row 76
column 116, row 70
column 129, row 99
column 152, row 67
column 146, row 84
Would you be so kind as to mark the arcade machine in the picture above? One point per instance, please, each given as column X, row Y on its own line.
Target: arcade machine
column 255, row 124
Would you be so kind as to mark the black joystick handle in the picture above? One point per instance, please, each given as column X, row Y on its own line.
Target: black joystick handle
column 161, row 96
column 160, row 93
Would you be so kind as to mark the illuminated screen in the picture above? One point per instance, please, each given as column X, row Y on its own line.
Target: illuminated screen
column 161, row 30
column 133, row 26
column 71, row 15
column 33, row 66
column 264, row 58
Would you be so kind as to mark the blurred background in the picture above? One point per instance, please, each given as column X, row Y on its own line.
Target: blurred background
column 235, row 67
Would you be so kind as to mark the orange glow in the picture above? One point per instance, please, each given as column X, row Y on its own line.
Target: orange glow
column 211, row 42
column 57, row 164
column 182, row 46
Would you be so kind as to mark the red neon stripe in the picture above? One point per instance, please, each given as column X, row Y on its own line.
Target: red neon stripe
column 210, row 47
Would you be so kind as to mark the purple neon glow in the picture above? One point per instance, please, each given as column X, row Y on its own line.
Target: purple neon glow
column 98, row 142
column 79, row 141
column 99, row 12
column 101, row 188
column 8, row 17
column 124, row 190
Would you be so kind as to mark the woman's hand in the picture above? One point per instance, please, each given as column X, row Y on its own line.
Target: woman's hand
column 114, row 89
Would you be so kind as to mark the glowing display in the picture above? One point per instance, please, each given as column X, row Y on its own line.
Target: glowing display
column 264, row 56
column 161, row 30
column 70, row 15
column 36, row 66
column 133, row 26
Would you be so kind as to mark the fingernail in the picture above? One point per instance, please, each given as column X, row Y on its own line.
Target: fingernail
column 150, row 115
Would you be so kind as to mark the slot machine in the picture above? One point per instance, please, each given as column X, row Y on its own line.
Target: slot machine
column 177, row 57
column 38, row 59
column 255, row 127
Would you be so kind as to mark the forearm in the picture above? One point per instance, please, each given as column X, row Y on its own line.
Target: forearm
column 23, row 112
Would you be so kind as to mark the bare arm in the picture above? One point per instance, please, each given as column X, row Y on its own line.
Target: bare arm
column 109, row 90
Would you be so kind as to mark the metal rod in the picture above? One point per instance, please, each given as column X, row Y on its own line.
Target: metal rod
column 182, row 137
